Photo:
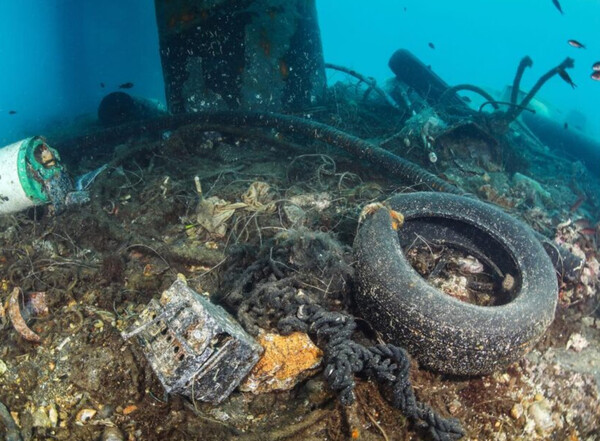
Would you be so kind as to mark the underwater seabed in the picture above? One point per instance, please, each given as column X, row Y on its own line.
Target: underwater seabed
column 230, row 209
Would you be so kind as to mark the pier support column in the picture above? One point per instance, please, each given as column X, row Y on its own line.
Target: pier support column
column 240, row 54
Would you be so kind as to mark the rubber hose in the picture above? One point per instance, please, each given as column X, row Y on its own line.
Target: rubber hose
column 393, row 164
column 471, row 88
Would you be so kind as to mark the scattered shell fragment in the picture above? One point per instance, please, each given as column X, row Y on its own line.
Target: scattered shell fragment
column 17, row 319
column 508, row 283
column 3, row 367
column 577, row 342
column 454, row 407
column 516, row 411
column 470, row 265
column 53, row 415
column 286, row 361
column 85, row 415
column 40, row 418
column 316, row 201
column 129, row 409
column 112, row 434
column 541, row 416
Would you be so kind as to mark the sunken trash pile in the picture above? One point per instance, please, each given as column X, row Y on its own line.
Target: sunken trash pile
column 210, row 288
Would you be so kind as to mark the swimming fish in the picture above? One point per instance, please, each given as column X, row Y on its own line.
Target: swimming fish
column 596, row 66
column 576, row 44
column 126, row 86
column 12, row 112
column 565, row 76
column 102, row 85
column 431, row 45
column 595, row 75
column 555, row 2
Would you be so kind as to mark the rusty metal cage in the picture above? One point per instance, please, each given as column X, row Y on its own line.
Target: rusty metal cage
column 195, row 347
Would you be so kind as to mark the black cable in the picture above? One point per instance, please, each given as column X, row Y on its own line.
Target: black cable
column 360, row 148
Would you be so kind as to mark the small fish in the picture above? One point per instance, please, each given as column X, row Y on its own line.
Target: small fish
column 12, row 112
column 588, row 231
column 431, row 45
column 576, row 44
column 102, row 85
column 565, row 76
column 126, row 86
column 596, row 66
column 555, row 2
column 566, row 125
column 466, row 99
column 595, row 75
column 582, row 223
column 580, row 200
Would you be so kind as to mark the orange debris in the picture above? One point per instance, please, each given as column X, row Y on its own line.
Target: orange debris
column 287, row 360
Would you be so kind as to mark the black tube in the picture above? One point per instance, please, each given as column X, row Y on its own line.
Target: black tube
column 377, row 156
column 516, row 111
column 452, row 91
column 514, row 93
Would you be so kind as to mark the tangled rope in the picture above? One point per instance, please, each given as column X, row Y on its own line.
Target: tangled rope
column 271, row 293
column 293, row 310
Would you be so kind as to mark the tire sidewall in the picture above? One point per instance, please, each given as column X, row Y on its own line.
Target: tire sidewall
column 442, row 332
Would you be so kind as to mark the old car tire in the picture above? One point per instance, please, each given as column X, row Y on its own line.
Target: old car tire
column 443, row 333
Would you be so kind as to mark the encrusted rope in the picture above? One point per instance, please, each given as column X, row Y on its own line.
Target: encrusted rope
column 278, row 302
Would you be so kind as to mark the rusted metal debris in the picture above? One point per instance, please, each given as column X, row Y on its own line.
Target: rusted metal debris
column 195, row 347
column 14, row 312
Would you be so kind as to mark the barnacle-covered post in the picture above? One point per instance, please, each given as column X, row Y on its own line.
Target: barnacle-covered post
column 240, row 54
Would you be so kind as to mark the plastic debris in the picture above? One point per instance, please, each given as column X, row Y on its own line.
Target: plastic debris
column 195, row 347
column 287, row 360
column 577, row 342
column 84, row 181
column 257, row 198
column 213, row 212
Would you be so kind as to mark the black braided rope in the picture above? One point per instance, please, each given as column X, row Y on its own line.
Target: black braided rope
column 277, row 302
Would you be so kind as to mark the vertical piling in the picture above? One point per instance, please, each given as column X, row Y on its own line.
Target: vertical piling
column 240, row 54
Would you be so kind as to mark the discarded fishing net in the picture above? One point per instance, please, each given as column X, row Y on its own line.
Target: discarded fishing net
column 294, row 284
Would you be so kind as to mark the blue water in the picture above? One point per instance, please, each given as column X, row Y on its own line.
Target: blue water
column 56, row 53
column 477, row 42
